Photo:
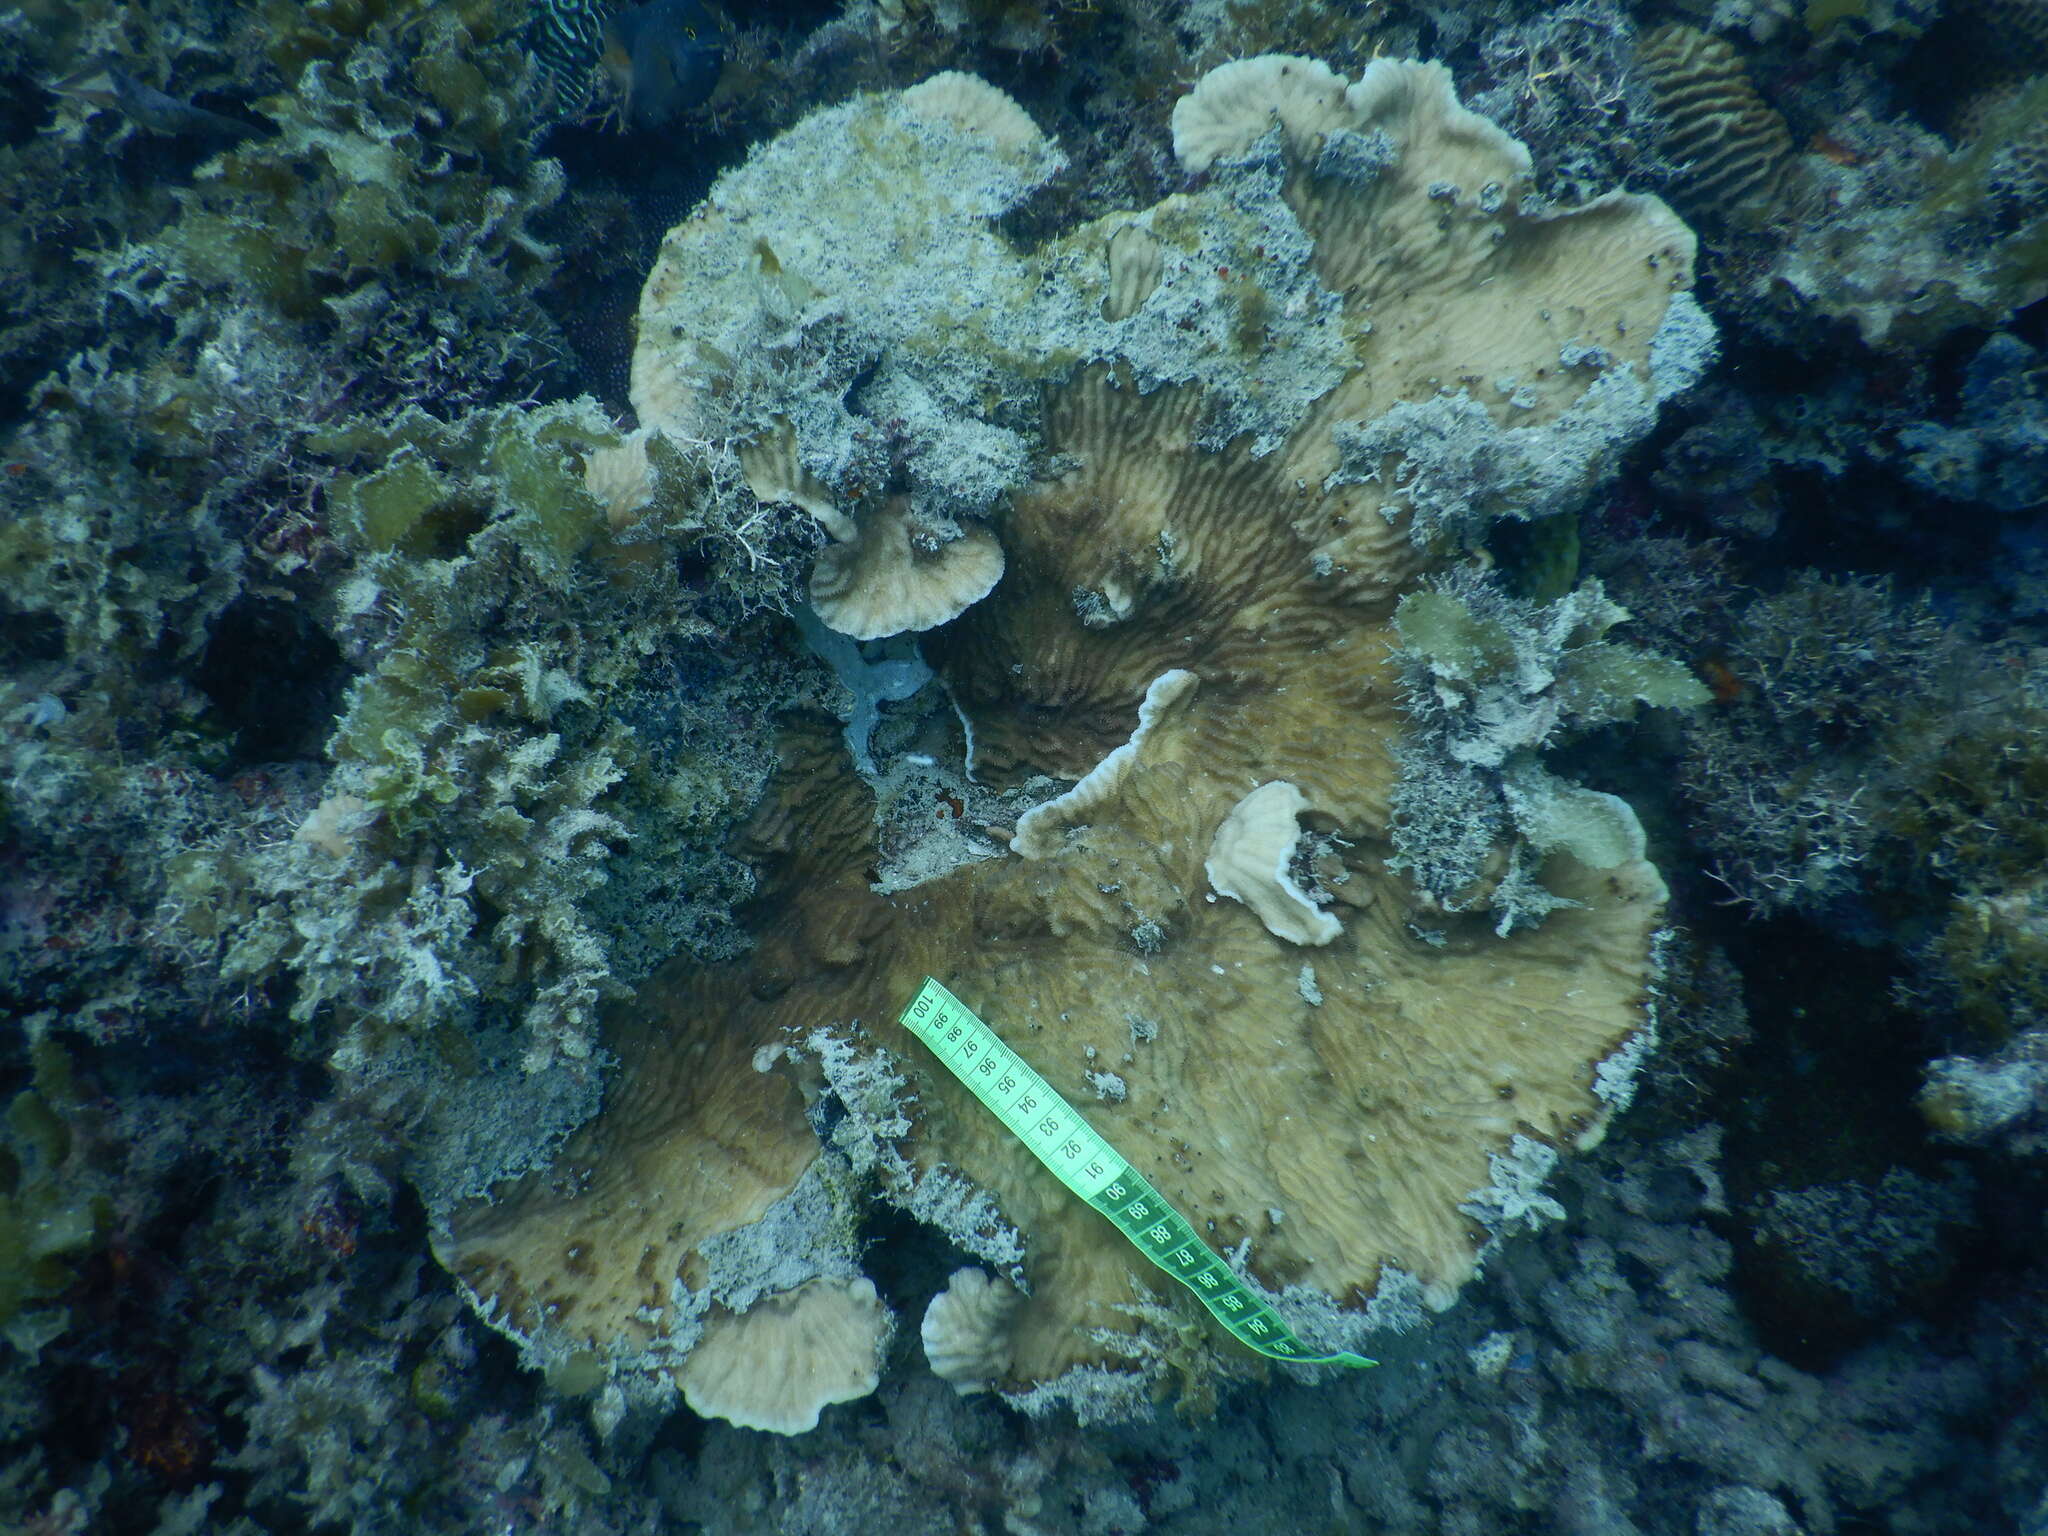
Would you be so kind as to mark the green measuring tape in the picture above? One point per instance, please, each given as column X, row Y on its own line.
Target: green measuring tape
column 1058, row 1137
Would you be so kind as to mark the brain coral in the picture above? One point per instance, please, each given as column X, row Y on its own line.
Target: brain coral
column 1217, row 441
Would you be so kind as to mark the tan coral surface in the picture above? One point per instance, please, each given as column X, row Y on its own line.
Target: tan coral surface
column 777, row 1365
column 900, row 574
column 1341, row 1108
column 966, row 1330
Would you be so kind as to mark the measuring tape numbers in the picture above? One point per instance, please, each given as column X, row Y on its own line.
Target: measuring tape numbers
column 1060, row 1138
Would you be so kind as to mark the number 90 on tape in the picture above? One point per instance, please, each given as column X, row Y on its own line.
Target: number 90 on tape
column 1060, row 1138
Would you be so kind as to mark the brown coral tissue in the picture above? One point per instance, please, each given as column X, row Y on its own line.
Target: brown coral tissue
column 1734, row 145
column 1203, row 938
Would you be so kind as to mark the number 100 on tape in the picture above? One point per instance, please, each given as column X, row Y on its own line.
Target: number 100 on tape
column 1061, row 1139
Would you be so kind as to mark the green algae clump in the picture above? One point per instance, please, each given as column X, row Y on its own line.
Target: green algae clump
column 50, row 1216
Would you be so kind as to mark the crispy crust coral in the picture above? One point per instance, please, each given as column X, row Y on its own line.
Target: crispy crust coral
column 1187, row 614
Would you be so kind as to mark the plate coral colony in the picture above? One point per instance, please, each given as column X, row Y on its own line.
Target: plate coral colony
column 1185, row 501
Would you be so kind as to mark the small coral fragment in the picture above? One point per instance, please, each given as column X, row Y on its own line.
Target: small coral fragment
column 966, row 1329
column 902, row 572
column 787, row 1358
column 1041, row 830
column 1248, row 862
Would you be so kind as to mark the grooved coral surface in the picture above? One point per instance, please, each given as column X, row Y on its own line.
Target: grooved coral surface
column 1350, row 1121
column 1732, row 143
